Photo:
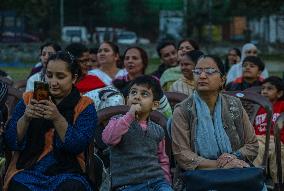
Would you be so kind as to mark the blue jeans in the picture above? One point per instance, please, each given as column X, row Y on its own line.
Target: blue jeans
column 159, row 184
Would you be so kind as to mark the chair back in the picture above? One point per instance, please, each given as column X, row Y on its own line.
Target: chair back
column 175, row 97
column 20, row 85
column 279, row 125
column 104, row 115
column 251, row 102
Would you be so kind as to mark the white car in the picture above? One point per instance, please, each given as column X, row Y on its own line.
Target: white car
column 75, row 34
column 127, row 37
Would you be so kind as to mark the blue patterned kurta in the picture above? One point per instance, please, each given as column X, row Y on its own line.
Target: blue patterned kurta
column 77, row 138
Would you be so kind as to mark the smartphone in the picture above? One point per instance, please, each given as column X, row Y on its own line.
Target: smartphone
column 41, row 91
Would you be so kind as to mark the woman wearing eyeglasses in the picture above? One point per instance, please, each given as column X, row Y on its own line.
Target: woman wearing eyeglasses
column 49, row 136
column 236, row 70
column 210, row 129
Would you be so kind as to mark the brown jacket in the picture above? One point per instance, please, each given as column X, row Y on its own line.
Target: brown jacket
column 236, row 124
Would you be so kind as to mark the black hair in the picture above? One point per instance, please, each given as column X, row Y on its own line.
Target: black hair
column 162, row 45
column 93, row 50
column 193, row 43
column 54, row 45
column 151, row 83
column 277, row 82
column 143, row 55
column 113, row 46
column 256, row 60
column 238, row 52
column 218, row 62
column 227, row 65
column 194, row 55
column 67, row 57
column 76, row 49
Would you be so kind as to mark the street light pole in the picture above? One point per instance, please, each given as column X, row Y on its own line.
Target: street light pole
column 185, row 3
column 210, row 20
column 61, row 14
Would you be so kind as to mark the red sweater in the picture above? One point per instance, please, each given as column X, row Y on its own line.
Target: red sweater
column 88, row 83
column 260, row 121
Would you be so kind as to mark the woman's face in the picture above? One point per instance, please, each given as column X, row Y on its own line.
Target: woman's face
column 251, row 52
column 59, row 78
column 183, row 48
column 186, row 66
column 106, row 55
column 207, row 76
column 233, row 57
column 133, row 62
column 45, row 54
column 84, row 61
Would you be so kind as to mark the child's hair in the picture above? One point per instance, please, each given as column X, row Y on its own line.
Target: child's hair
column 255, row 60
column 151, row 83
column 277, row 82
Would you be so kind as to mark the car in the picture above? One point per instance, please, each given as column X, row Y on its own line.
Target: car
column 127, row 37
column 75, row 34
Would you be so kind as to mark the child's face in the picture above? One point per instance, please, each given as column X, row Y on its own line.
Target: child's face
column 251, row 70
column 142, row 95
column 270, row 92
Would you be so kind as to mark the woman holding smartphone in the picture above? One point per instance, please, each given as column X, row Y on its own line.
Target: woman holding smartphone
column 49, row 136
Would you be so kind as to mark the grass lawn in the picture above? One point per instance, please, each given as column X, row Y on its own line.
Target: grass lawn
column 18, row 73
column 22, row 73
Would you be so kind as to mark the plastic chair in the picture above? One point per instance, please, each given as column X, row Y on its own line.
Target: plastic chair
column 279, row 125
column 20, row 85
column 255, row 89
column 105, row 115
column 251, row 102
column 175, row 97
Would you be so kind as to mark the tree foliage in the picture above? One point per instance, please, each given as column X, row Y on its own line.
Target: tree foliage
column 141, row 16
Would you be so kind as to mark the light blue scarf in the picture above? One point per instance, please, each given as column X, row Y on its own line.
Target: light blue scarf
column 211, row 139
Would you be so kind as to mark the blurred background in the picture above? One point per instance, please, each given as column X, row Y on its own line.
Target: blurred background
column 216, row 24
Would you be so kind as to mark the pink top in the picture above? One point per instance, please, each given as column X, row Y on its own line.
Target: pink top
column 116, row 128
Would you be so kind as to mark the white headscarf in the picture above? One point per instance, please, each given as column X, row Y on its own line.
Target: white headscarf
column 246, row 47
column 236, row 70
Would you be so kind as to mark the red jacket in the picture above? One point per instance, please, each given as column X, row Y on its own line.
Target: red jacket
column 88, row 83
column 260, row 121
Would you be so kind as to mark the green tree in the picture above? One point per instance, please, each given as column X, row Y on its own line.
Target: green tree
column 205, row 12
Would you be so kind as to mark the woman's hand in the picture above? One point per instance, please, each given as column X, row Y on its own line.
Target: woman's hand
column 49, row 110
column 224, row 159
column 236, row 163
column 33, row 110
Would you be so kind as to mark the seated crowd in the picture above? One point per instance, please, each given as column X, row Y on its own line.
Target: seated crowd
column 49, row 138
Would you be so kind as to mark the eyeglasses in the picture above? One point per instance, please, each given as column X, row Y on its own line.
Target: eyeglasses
column 208, row 71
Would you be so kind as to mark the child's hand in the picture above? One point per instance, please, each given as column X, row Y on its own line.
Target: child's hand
column 135, row 109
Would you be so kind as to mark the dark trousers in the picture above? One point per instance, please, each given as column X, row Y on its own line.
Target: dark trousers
column 67, row 185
